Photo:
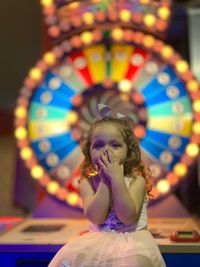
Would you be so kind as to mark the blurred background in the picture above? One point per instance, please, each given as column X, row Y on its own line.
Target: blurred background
column 22, row 44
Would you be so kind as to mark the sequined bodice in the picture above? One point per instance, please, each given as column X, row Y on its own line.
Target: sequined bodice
column 112, row 222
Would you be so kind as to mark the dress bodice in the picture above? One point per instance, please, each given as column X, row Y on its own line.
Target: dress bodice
column 112, row 223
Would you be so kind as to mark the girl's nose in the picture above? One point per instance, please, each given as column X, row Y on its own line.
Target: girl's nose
column 105, row 149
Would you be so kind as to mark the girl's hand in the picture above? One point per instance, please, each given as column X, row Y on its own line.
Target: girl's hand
column 101, row 174
column 110, row 166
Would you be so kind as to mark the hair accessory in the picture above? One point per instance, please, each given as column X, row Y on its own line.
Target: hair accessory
column 120, row 116
column 90, row 171
column 105, row 111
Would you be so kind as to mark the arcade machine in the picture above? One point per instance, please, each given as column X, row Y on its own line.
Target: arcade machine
column 110, row 52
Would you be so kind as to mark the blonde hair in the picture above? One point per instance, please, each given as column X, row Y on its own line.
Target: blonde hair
column 133, row 165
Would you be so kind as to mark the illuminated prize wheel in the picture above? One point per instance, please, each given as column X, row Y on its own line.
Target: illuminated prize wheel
column 133, row 73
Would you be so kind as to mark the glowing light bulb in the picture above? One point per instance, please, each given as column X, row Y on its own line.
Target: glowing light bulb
column 117, row 34
column 149, row 41
column 144, row 2
column 86, row 37
column 54, row 31
column 180, row 169
column 26, row 153
column 46, row 3
column 72, row 198
column 137, row 98
column 74, row 5
column 20, row 133
column 125, row 85
column 37, row 172
column 20, row 112
column 139, row 131
column 182, row 66
column 72, row 117
column 149, row 20
column 125, row 15
column 167, row 51
column 192, row 150
column 36, row 74
column 76, row 41
column 49, row 58
column 61, row 193
column 196, row 127
column 88, row 18
column 44, row 180
column 172, row 178
column 163, row 186
column 193, row 85
column 52, row 187
column 77, row 100
column 163, row 12
column 196, row 105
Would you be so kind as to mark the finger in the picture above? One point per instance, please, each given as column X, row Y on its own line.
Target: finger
column 104, row 159
column 97, row 168
column 108, row 152
column 102, row 165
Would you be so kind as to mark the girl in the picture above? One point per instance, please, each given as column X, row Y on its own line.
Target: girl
column 114, row 187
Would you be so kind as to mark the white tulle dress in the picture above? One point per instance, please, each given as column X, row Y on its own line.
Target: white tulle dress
column 112, row 244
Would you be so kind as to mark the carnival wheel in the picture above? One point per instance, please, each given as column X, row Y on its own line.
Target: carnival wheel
column 134, row 74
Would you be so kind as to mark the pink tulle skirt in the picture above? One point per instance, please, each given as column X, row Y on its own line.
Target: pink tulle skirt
column 110, row 249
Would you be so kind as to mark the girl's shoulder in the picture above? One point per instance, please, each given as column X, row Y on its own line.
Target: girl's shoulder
column 146, row 181
column 133, row 177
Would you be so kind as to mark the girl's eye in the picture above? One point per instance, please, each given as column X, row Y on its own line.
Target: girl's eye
column 115, row 145
column 98, row 145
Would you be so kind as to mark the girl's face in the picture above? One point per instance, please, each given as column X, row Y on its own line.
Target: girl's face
column 107, row 137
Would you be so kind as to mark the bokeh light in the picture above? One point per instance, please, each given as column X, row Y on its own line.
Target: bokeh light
column 88, row 18
column 37, row 172
column 125, row 15
column 20, row 133
column 49, row 58
column 196, row 127
column 167, row 51
column 72, row 198
column 180, row 169
column 117, row 34
column 149, row 20
column 26, row 153
column 36, row 74
column 196, row 105
column 193, row 85
column 20, row 112
column 163, row 186
column 192, row 149
column 46, row 2
column 86, row 37
column 164, row 12
column 182, row 66
column 72, row 117
column 52, row 187
column 125, row 85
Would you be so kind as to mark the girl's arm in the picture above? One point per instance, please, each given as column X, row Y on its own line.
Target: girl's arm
column 95, row 204
column 128, row 201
